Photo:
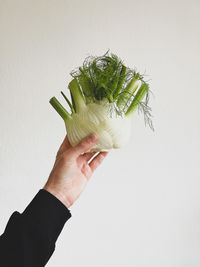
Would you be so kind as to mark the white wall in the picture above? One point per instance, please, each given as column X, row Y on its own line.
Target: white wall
column 142, row 206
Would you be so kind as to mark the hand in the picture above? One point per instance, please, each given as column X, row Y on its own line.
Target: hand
column 71, row 170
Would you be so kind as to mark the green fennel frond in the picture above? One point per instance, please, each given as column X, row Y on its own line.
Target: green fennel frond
column 106, row 76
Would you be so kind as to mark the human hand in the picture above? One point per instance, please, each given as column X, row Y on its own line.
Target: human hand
column 72, row 169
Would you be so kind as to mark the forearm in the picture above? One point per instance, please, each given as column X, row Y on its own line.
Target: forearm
column 29, row 238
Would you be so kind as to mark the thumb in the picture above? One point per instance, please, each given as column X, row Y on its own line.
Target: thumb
column 85, row 144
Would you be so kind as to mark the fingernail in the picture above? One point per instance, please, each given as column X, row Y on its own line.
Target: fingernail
column 92, row 138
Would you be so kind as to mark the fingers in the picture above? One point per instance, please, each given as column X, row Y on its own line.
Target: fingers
column 85, row 145
column 97, row 160
column 88, row 156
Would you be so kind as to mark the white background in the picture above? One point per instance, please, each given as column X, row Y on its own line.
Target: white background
column 142, row 206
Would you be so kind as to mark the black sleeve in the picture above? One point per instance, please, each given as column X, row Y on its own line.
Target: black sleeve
column 29, row 238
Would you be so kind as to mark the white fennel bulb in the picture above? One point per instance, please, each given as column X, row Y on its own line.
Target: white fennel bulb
column 113, row 130
column 104, row 95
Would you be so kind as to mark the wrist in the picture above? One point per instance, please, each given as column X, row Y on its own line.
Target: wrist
column 58, row 194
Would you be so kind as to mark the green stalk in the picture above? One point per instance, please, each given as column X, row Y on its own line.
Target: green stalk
column 85, row 82
column 128, row 92
column 114, row 83
column 77, row 95
column 120, row 82
column 60, row 109
column 138, row 98
column 68, row 102
column 73, row 103
column 108, row 93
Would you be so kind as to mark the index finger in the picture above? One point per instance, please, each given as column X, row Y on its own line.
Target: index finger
column 85, row 145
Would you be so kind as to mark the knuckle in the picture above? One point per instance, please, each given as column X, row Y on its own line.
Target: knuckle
column 58, row 154
column 86, row 142
column 83, row 143
column 65, row 156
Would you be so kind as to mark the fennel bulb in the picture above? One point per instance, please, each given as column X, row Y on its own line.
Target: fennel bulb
column 104, row 94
